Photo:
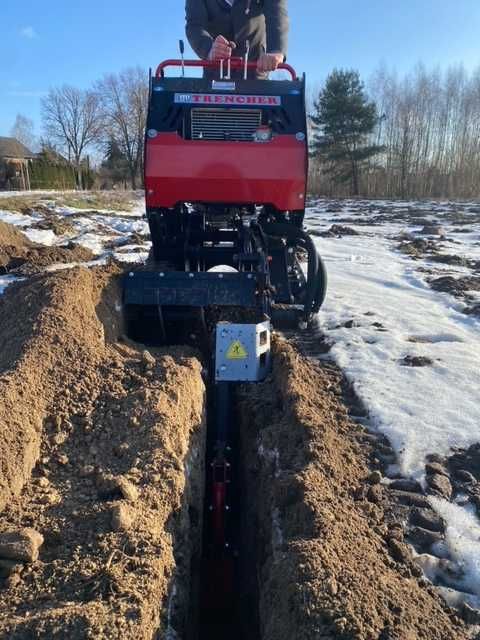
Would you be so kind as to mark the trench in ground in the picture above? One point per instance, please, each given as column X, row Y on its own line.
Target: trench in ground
column 235, row 616
column 301, row 531
column 221, row 608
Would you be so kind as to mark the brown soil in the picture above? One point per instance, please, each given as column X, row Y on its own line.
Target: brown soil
column 12, row 241
column 18, row 254
column 416, row 361
column 102, row 448
column 418, row 248
column 329, row 566
column 452, row 259
column 336, row 231
column 52, row 221
column 474, row 310
column 456, row 286
column 464, row 472
column 101, row 452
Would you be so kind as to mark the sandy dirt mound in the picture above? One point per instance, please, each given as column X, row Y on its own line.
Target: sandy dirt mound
column 10, row 236
column 18, row 254
column 328, row 565
column 12, row 243
column 101, row 456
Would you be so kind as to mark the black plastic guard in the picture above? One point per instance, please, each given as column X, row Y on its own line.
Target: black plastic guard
column 193, row 289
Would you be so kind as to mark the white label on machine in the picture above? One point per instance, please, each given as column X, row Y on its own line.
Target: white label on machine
column 237, row 351
column 211, row 99
column 222, row 85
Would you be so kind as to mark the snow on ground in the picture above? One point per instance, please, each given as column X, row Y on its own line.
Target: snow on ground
column 140, row 256
column 17, row 219
column 39, row 194
column 106, row 232
column 117, row 223
column 381, row 309
column 60, row 266
column 5, row 281
column 463, row 540
column 41, row 236
column 396, row 314
column 389, row 309
column 98, row 230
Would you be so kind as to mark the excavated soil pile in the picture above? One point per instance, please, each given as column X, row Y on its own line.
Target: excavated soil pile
column 101, row 467
column 328, row 566
column 18, row 254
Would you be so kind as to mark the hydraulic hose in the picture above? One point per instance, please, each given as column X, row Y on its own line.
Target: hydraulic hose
column 316, row 272
column 322, row 284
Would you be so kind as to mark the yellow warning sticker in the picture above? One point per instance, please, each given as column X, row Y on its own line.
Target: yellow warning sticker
column 237, row 351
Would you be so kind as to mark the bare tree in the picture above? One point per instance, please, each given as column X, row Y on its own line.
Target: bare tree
column 23, row 130
column 72, row 119
column 124, row 101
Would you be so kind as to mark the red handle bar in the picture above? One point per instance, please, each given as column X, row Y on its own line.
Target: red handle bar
column 235, row 64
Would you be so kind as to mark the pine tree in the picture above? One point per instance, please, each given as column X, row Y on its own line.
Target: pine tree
column 343, row 120
column 115, row 165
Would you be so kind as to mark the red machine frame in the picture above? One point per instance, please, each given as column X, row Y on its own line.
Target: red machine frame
column 179, row 170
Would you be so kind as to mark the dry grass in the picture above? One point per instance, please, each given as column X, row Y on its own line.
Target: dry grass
column 88, row 200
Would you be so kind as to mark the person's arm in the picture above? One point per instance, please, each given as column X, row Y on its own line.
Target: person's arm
column 277, row 26
column 197, row 19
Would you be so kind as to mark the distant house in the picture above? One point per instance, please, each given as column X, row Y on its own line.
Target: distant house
column 15, row 165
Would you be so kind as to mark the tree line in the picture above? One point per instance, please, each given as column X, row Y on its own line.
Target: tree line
column 108, row 119
column 110, row 116
column 400, row 137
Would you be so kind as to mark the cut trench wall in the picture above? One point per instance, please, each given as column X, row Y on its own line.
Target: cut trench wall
column 64, row 372
column 323, row 567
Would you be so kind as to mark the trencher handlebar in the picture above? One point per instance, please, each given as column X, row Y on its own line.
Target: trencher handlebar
column 223, row 66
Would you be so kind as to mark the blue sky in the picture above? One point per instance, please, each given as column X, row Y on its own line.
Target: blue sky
column 45, row 43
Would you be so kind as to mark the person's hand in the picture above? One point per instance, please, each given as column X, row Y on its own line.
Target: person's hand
column 269, row 61
column 221, row 49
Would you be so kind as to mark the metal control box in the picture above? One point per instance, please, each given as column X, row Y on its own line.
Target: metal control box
column 242, row 352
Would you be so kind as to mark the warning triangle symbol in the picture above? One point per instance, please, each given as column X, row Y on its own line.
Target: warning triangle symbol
column 237, row 351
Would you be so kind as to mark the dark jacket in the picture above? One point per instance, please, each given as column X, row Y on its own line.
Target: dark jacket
column 263, row 22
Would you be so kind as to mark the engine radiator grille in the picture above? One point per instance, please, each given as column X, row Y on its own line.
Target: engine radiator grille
column 225, row 124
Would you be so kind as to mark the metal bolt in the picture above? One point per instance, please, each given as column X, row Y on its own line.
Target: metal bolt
column 191, row 275
column 220, row 275
column 131, row 274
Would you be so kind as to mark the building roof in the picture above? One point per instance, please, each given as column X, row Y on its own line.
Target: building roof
column 12, row 148
column 53, row 156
